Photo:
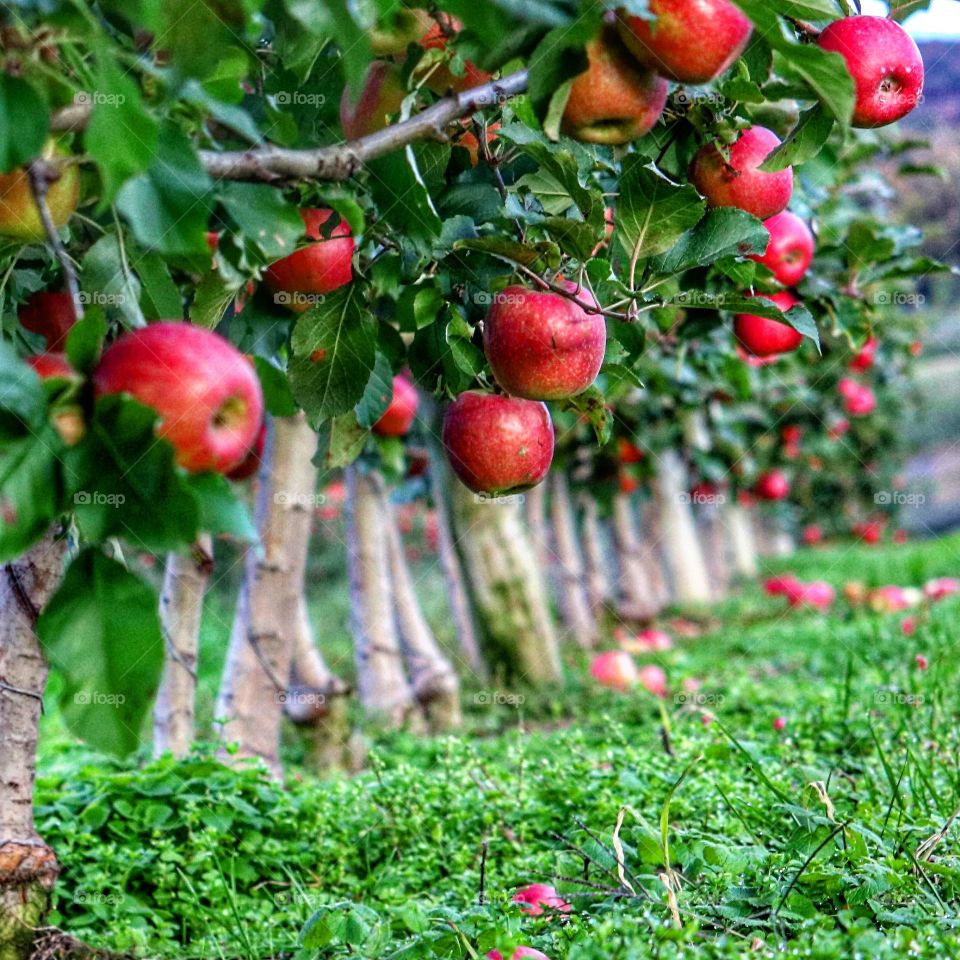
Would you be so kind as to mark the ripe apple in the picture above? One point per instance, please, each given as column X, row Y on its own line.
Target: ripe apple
column 736, row 182
column 541, row 345
column 51, row 315
column 50, row 365
column 812, row 535
column 498, row 445
column 519, row 954
column 627, row 482
column 251, row 463
column 866, row 356
column 629, row 452
column 941, row 588
column 468, row 140
column 19, row 214
column 540, row 898
column 615, row 100
column 819, row 595
column 790, row 251
column 762, row 337
column 316, row 269
column 885, row 64
column 780, row 724
column 206, row 392
column 690, row 41
column 380, row 98
column 400, row 414
column 772, row 485
column 615, row 669
column 442, row 79
column 859, row 400
column 650, row 640
column 653, row 680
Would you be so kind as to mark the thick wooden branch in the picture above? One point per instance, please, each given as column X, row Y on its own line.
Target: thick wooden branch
column 279, row 165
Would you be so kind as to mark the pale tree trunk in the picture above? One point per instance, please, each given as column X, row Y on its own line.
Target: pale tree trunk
column 599, row 592
column 637, row 598
column 435, row 683
column 713, row 536
column 508, row 588
column 385, row 692
column 535, row 512
column 574, row 601
column 181, row 612
column 28, row 867
column 681, row 546
column 742, row 542
column 257, row 670
column 651, row 553
column 317, row 698
column 458, row 592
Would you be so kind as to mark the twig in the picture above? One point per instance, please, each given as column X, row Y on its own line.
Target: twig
column 41, row 174
column 484, row 850
column 23, row 693
column 26, row 604
column 806, row 30
column 591, row 308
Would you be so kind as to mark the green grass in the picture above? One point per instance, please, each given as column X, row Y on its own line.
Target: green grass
column 810, row 841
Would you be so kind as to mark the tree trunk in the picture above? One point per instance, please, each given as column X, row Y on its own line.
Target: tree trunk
column 253, row 690
column 458, row 592
column 28, row 867
column 181, row 611
column 435, row 683
column 651, row 553
column 507, row 585
column 742, row 542
column 599, row 592
column 681, row 546
column 574, row 602
column 637, row 598
column 385, row 692
column 713, row 536
column 535, row 513
column 317, row 699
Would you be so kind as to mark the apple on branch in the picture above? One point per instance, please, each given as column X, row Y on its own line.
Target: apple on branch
column 380, row 98
column 19, row 214
column 763, row 337
column 772, row 486
column 206, row 391
column 498, row 445
column 50, row 314
column 398, row 418
column 790, row 251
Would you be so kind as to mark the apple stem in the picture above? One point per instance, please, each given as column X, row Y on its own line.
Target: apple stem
column 806, row 30
column 41, row 174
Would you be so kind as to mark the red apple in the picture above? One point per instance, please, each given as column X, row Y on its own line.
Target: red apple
column 819, row 595
column 772, row 485
column 402, row 411
column 691, row 41
column 812, row 535
column 941, row 588
column 442, row 79
column 615, row 669
column 519, row 954
column 859, row 400
column 380, row 99
column 628, row 452
column 653, row 679
column 790, row 251
column 737, row 182
column 780, row 724
column 542, row 346
column 51, row 315
column 206, row 392
column 51, row 365
column 496, row 444
column 251, row 463
column 316, row 269
column 885, row 64
column 762, row 337
column 792, row 434
column 468, row 140
column 614, row 100
column 866, row 356
column 540, row 898
column 627, row 482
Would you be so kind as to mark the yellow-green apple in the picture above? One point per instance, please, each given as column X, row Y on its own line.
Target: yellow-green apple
column 615, row 669
column 401, row 412
column 790, row 251
column 615, row 100
column 498, row 445
column 541, row 345
column 762, row 337
column 772, row 485
column 691, row 41
column 19, row 214
column 319, row 267
column 206, row 391
column 736, row 181
column 49, row 314
column 380, row 99
column 885, row 64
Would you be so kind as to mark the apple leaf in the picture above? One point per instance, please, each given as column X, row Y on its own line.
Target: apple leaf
column 334, row 352
column 24, row 122
column 724, row 232
column 22, row 400
column 652, row 212
column 378, row 393
column 341, row 441
column 221, row 512
column 264, row 218
column 593, row 405
column 806, row 140
column 107, row 281
column 101, row 631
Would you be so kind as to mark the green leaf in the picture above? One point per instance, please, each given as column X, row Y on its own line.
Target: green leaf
column 85, row 341
column 593, row 405
column 30, row 490
column 805, row 141
column 168, row 206
column 24, row 122
column 558, row 58
column 107, row 281
column 378, row 393
column 264, row 217
column 276, row 389
column 101, row 631
column 121, row 480
column 403, row 199
column 342, row 440
column 334, row 352
column 23, row 403
column 539, row 257
column 159, row 296
column 652, row 212
column 723, row 232
column 221, row 513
